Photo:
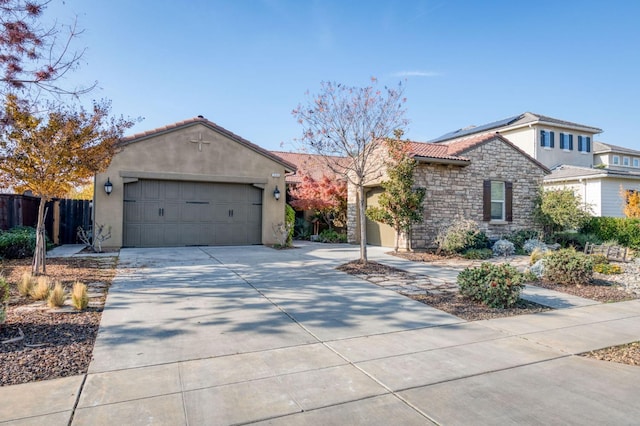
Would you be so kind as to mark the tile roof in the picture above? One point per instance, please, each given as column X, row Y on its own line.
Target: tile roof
column 210, row 124
column 313, row 164
column 599, row 147
column 525, row 118
column 566, row 172
column 455, row 150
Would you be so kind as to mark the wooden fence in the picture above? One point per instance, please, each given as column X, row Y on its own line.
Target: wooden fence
column 62, row 221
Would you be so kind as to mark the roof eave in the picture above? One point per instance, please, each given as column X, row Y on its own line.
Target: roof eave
column 450, row 161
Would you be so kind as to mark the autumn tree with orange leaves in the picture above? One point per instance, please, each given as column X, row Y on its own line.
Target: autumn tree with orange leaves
column 326, row 197
column 631, row 203
column 51, row 153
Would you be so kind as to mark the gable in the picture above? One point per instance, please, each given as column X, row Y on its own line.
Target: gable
column 196, row 148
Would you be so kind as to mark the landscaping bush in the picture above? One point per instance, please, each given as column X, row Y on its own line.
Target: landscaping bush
column 607, row 269
column 497, row 286
column 462, row 235
column 533, row 244
column 624, row 230
column 503, row 248
column 79, row 296
column 17, row 243
column 290, row 218
column 537, row 254
column 576, row 240
column 519, row 238
column 478, row 254
column 56, row 296
column 40, row 291
column 566, row 266
column 26, row 283
column 331, row 236
column 536, row 270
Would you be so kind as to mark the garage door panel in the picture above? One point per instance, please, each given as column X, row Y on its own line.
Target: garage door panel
column 166, row 213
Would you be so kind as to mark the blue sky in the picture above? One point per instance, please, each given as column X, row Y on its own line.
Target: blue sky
column 245, row 64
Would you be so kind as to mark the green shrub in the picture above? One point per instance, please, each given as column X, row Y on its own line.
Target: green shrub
column 290, row 218
column 624, row 230
column 17, row 243
column 599, row 259
column 463, row 234
column 566, row 266
column 518, row 238
column 478, row 254
column 607, row 269
column 576, row 240
column 497, row 286
column 331, row 236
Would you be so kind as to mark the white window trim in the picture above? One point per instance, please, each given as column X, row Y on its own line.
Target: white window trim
column 547, row 147
column 636, row 162
column 503, row 216
column 615, row 160
column 566, row 137
column 627, row 160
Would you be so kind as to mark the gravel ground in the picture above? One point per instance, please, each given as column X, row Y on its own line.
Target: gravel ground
column 57, row 342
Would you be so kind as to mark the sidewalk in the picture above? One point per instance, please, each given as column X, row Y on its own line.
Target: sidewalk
column 254, row 335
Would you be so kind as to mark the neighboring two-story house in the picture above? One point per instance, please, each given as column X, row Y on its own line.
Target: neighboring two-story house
column 600, row 173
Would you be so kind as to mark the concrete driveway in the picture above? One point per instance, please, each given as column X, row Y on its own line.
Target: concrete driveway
column 236, row 335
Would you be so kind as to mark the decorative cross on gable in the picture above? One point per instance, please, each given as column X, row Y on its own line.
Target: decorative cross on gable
column 199, row 141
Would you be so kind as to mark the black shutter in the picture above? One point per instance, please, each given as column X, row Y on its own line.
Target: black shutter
column 588, row 144
column 486, row 201
column 508, row 201
column 551, row 139
column 541, row 137
column 571, row 142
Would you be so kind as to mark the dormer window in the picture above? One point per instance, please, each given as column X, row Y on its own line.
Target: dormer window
column 566, row 141
column 546, row 139
column 636, row 162
column 584, row 144
column 615, row 160
column 626, row 161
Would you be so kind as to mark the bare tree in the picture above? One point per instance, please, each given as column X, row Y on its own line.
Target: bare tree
column 32, row 56
column 352, row 122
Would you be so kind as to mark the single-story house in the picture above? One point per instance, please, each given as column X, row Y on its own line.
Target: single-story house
column 191, row 183
column 485, row 178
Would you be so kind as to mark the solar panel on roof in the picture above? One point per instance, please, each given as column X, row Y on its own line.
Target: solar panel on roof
column 477, row 129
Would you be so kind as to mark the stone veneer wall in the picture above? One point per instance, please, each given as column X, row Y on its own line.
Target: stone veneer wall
column 456, row 192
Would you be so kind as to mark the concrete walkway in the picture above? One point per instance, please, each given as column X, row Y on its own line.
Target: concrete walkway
column 236, row 335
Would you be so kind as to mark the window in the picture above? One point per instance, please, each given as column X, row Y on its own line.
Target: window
column 497, row 201
column 566, row 141
column 636, row 162
column 546, row 138
column 626, row 161
column 584, row 144
column 615, row 160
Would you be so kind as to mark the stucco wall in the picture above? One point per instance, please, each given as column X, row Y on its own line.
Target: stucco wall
column 172, row 156
column 456, row 192
column 528, row 139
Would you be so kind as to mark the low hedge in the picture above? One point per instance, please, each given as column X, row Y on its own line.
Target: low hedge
column 625, row 231
column 497, row 286
column 17, row 243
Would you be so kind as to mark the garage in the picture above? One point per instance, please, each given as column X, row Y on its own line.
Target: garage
column 191, row 183
column 168, row 213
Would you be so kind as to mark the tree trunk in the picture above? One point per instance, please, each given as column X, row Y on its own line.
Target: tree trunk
column 39, row 266
column 362, row 218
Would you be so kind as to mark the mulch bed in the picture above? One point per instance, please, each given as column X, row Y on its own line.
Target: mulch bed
column 469, row 310
column 55, row 344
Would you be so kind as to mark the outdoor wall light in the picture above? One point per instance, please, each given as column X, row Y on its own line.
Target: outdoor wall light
column 276, row 193
column 108, row 186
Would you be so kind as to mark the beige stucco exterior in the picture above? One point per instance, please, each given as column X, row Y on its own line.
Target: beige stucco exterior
column 176, row 154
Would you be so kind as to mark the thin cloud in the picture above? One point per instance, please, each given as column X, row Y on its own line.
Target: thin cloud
column 416, row 74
